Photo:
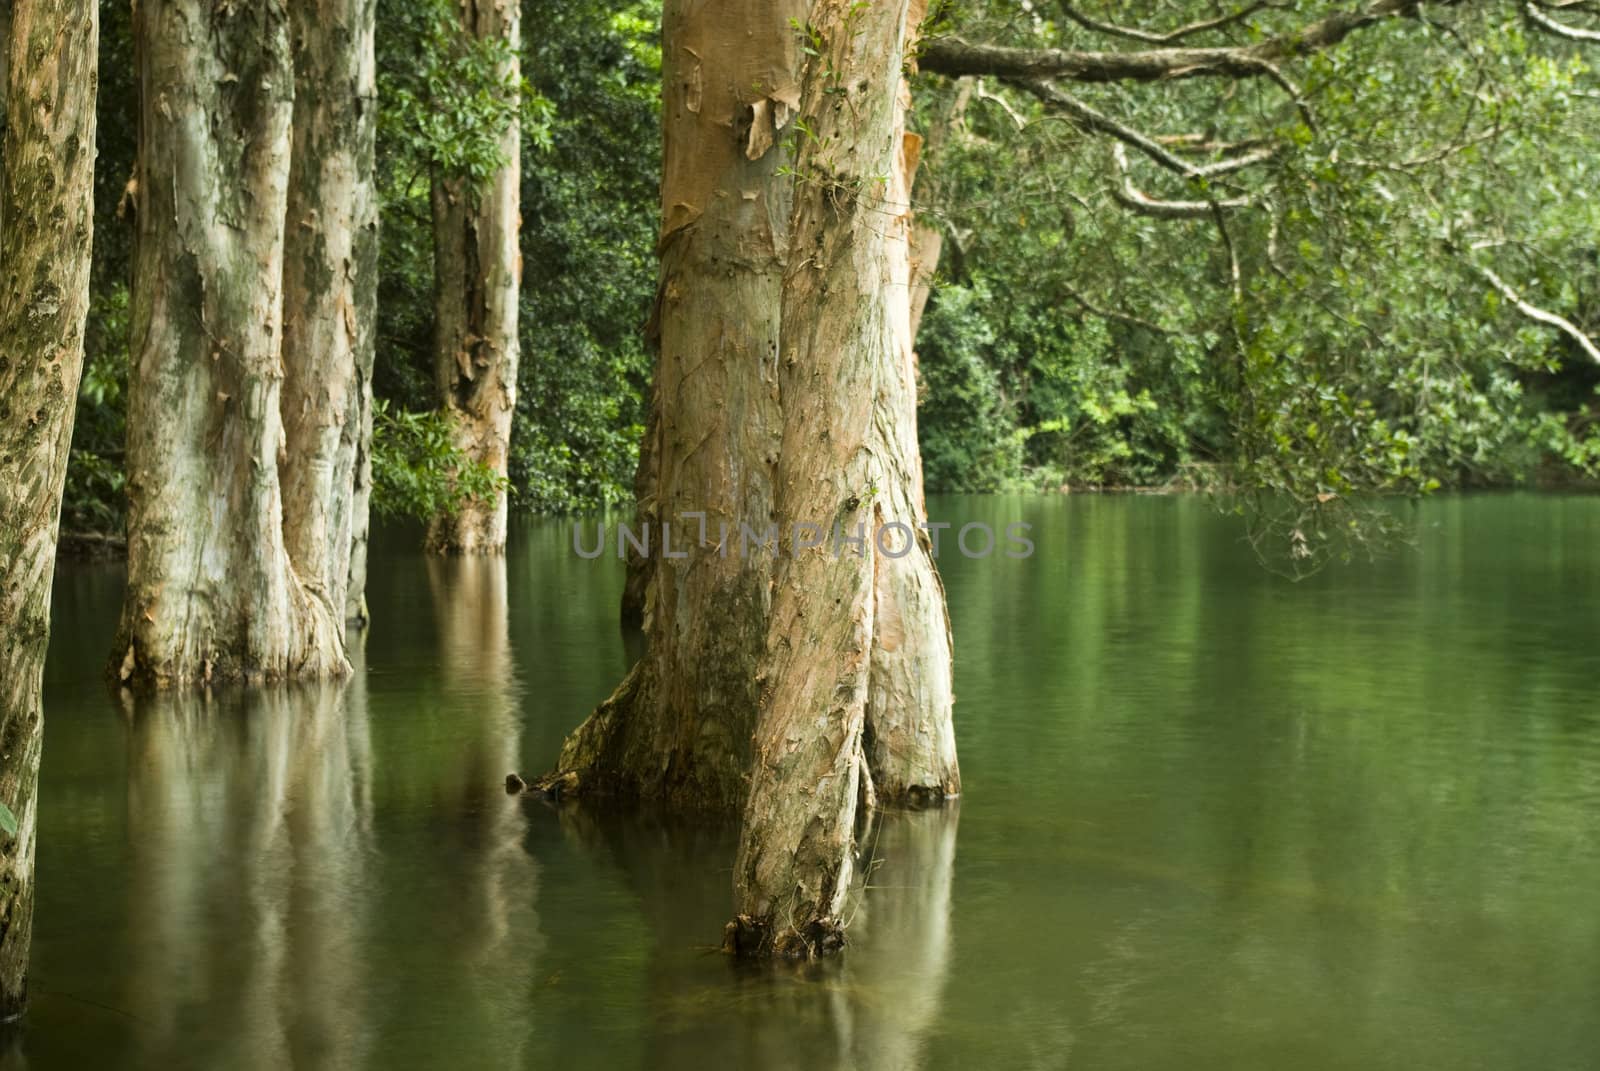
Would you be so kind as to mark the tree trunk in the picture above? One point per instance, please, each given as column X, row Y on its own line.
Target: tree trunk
column 858, row 635
column 46, row 224
column 212, row 593
column 677, row 730
column 640, row 567
column 330, row 276
column 927, row 243
column 477, row 280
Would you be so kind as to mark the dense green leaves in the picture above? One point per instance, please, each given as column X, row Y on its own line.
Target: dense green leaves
column 1317, row 325
column 418, row 471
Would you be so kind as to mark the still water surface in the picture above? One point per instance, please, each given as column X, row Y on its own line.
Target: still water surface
column 1212, row 820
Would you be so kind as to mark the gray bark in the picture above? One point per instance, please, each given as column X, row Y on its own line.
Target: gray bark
column 330, row 276
column 46, row 226
column 212, row 593
column 477, row 280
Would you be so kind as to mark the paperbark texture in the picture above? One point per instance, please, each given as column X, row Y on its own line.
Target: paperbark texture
column 330, row 283
column 858, row 655
column 212, row 593
column 477, row 278
column 46, row 226
column 677, row 730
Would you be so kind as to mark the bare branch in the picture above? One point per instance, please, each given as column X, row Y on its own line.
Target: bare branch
column 1107, row 314
column 1097, row 122
column 1234, row 274
column 1171, row 35
column 1002, row 103
column 1560, row 29
column 954, row 56
column 1138, row 201
column 1533, row 312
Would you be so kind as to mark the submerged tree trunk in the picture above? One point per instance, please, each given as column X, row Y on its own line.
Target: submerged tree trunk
column 677, row 730
column 330, row 276
column 46, row 223
column 477, row 279
column 212, row 593
column 858, row 636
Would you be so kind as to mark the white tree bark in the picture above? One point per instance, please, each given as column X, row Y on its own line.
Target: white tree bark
column 47, row 77
column 212, row 593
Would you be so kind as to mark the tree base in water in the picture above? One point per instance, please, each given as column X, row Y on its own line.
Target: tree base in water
column 750, row 937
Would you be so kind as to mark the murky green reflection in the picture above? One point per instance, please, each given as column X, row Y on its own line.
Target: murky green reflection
column 1213, row 820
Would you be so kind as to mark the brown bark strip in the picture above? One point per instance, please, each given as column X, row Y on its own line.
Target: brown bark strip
column 330, row 275
column 477, row 282
column 48, row 78
column 677, row 730
column 212, row 593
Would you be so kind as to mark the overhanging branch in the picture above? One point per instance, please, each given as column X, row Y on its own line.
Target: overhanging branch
column 1543, row 316
column 954, row 56
column 1170, row 36
column 1136, row 200
column 1097, row 122
column 1560, row 29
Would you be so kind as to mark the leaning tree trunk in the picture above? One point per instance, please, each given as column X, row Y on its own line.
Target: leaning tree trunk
column 477, row 274
column 330, row 277
column 857, row 633
column 677, row 730
column 46, row 222
column 212, row 593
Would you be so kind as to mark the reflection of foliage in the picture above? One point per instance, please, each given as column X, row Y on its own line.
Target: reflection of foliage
column 417, row 469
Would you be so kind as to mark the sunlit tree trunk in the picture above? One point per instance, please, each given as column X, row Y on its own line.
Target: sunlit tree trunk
column 46, row 222
column 677, row 729
column 330, row 277
column 857, row 638
column 477, row 277
column 212, row 593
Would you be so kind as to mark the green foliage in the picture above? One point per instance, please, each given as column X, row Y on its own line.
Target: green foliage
column 1333, row 338
column 589, row 273
column 418, row 471
column 8, row 820
column 589, row 205
column 447, row 97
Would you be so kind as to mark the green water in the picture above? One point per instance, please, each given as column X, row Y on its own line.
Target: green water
column 1212, row 820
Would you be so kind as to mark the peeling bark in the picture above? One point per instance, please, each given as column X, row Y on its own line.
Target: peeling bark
column 212, row 593
column 477, row 280
column 855, row 638
column 330, row 276
column 677, row 730
column 46, row 226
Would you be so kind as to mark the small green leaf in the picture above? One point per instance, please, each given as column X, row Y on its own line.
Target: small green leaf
column 8, row 821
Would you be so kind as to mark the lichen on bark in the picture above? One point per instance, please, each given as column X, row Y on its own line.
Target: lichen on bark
column 48, row 86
